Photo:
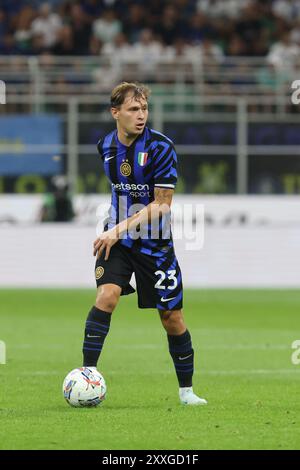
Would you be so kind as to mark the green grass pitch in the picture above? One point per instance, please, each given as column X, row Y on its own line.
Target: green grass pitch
column 242, row 341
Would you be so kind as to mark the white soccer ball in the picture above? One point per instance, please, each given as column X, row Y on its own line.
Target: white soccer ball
column 84, row 387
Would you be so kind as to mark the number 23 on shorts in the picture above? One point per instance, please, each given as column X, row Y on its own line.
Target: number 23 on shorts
column 169, row 275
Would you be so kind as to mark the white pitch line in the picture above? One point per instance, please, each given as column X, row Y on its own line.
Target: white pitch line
column 252, row 372
column 295, row 372
column 255, row 347
column 275, row 372
column 202, row 347
column 217, row 347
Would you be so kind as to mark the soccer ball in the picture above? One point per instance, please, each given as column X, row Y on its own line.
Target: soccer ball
column 84, row 387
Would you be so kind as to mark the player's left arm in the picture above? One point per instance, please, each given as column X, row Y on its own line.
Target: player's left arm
column 163, row 196
column 159, row 207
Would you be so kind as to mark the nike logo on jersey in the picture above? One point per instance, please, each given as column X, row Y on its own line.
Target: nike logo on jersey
column 186, row 357
column 167, row 300
column 109, row 158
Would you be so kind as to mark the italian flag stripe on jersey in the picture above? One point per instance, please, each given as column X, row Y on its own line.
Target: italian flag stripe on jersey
column 142, row 158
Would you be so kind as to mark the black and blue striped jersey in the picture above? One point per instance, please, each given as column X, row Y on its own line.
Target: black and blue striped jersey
column 134, row 171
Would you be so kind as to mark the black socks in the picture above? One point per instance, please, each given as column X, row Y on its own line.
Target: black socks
column 182, row 353
column 96, row 329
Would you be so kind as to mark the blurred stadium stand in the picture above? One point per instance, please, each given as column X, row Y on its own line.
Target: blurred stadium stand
column 220, row 73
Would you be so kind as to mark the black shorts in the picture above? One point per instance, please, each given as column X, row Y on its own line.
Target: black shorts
column 158, row 279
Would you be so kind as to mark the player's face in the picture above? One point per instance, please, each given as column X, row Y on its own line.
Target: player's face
column 132, row 115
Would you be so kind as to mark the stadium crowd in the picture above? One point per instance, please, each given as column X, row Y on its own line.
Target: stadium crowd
column 93, row 27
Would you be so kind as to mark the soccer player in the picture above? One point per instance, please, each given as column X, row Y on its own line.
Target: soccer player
column 140, row 164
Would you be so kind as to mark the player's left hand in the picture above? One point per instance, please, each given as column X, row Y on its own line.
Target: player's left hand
column 105, row 242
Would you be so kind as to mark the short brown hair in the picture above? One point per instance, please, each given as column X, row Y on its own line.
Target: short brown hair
column 120, row 92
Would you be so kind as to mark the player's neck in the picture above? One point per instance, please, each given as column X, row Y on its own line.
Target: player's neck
column 126, row 139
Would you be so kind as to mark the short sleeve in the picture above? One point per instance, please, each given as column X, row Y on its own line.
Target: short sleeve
column 165, row 165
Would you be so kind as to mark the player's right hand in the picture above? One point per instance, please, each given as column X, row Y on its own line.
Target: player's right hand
column 105, row 242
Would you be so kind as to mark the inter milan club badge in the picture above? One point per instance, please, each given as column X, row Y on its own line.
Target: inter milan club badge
column 142, row 158
column 99, row 272
column 125, row 168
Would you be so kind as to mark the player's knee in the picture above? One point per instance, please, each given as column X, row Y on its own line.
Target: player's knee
column 107, row 298
column 172, row 321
